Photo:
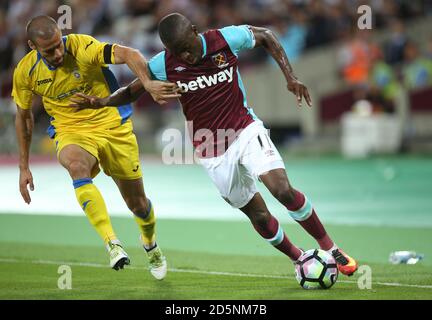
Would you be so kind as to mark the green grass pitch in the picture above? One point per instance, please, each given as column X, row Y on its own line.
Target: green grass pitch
column 239, row 266
column 370, row 208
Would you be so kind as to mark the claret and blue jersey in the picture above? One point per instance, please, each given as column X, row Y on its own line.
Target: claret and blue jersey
column 214, row 96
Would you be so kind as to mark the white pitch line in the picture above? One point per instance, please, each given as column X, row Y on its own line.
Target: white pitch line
column 218, row 273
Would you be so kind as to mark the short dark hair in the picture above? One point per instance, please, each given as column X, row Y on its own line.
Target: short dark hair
column 41, row 27
column 172, row 28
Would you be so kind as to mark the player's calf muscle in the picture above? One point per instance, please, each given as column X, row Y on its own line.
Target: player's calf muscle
column 260, row 217
column 257, row 211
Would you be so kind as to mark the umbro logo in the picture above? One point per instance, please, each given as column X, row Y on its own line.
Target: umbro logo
column 44, row 81
column 180, row 69
column 269, row 153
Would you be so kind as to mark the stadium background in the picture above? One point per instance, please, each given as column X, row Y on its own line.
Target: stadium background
column 374, row 201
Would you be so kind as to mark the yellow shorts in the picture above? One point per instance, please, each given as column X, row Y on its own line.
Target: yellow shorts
column 116, row 150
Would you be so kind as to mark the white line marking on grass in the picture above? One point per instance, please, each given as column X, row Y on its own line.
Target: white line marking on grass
column 216, row 273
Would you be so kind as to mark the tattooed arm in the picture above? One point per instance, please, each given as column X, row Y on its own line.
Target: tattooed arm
column 266, row 38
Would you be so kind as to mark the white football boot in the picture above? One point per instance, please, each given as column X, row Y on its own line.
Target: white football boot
column 157, row 262
column 118, row 257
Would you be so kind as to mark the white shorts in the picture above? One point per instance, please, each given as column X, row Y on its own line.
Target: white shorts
column 235, row 172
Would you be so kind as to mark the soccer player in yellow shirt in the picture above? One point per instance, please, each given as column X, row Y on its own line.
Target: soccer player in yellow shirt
column 57, row 68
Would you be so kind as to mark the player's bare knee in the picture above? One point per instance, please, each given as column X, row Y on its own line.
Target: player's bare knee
column 138, row 206
column 78, row 169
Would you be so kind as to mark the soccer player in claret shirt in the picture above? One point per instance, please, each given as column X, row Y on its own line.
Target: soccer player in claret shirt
column 205, row 68
column 55, row 69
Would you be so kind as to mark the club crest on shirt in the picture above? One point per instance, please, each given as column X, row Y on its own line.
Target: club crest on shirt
column 220, row 60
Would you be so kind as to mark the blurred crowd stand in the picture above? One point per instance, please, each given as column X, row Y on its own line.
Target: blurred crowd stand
column 339, row 63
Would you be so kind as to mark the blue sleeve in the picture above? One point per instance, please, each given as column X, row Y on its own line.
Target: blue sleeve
column 156, row 66
column 238, row 38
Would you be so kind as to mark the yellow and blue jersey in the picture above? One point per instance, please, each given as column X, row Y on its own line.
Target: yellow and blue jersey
column 84, row 70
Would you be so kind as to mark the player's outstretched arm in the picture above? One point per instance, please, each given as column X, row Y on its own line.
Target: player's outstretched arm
column 159, row 90
column 123, row 95
column 267, row 39
column 24, row 128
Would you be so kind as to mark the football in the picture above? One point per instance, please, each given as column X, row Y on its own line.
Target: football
column 316, row 269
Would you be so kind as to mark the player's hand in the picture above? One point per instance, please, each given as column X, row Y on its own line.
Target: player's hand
column 26, row 179
column 162, row 91
column 300, row 90
column 82, row 101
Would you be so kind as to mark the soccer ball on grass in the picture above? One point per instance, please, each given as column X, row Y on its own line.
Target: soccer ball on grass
column 316, row 269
